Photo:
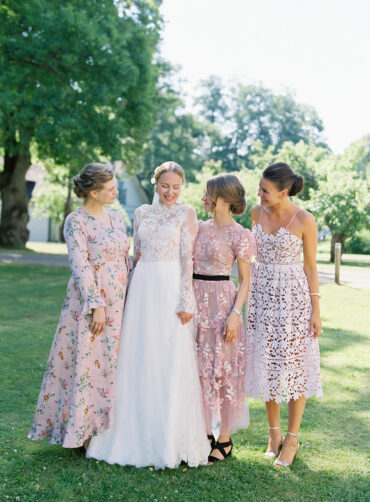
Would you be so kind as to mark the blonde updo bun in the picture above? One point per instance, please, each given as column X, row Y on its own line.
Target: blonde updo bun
column 91, row 177
column 228, row 187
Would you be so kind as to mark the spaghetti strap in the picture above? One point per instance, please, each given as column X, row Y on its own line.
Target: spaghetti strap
column 260, row 215
column 294, row 215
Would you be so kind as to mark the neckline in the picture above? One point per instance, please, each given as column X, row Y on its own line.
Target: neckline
column 220, row 226
column 277, row 233
column 100, row 222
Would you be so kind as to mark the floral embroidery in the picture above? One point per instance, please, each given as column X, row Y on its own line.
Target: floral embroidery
column 283, row 359
column 221, row 365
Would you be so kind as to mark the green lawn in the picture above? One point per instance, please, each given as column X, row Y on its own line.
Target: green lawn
column 331, row 464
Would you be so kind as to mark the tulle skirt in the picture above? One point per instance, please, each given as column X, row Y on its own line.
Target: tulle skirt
column 159, row 418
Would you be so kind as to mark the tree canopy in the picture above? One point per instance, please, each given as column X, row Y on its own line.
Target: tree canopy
column 76, row 78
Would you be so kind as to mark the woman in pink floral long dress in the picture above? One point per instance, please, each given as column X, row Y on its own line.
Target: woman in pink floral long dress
column 78, row 389
column 220, row 335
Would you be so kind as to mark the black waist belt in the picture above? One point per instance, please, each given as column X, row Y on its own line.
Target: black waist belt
column 211, row 277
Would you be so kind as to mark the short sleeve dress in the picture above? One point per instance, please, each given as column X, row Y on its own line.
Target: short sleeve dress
column 78, row 389
column 221, row 365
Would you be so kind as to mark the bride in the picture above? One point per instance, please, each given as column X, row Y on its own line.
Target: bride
column 159, row 419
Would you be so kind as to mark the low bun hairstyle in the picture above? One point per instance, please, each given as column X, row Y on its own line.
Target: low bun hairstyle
column 228, row 187
column 91, row 177
column 283, row 177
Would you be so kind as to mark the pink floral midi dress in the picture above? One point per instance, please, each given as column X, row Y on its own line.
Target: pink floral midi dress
column 78, row 389
column 283, row 359
column 221, row 365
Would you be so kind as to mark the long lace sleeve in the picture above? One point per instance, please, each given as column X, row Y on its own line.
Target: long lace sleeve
column 189, row 231
column 137, row 217
column 78, row 256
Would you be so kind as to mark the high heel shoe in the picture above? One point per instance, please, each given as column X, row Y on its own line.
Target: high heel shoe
column 272, row 454
column 221, row 448
column 212, row 441
column 281, row 463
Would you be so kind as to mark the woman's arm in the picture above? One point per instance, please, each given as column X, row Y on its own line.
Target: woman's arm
column 310, row 236
column 189, row 230
column 78, row 254
column 232, row 322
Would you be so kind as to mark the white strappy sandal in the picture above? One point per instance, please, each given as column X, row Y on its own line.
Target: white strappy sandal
column 281, row 463
column 272, row 454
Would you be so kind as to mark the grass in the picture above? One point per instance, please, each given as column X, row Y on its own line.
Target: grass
column 331, row 464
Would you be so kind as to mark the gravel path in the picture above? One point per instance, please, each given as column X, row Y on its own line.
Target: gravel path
column 349, row 276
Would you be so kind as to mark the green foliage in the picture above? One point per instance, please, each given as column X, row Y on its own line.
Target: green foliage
column 331, row 463
column 176, row 135
column 358, row 243
column 357, row 157
column 77, row 78
column 246, row 113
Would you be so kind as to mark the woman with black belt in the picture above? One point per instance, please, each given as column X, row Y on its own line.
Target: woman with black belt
column 220, row 335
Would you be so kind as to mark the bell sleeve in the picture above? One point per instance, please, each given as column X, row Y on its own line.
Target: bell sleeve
column 81, row 267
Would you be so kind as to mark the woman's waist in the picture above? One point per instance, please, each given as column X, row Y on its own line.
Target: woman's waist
column 262, row 262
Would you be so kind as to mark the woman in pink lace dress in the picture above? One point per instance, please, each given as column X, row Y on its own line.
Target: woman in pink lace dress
column 283, row 315
column 77, row 392
column 220, row 334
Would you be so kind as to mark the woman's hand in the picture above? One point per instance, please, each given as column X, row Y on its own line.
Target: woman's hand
column 315, row 324
column 98, row 321
column 231, row 327
column 184, row 317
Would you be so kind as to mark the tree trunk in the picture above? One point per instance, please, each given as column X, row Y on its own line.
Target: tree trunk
column 67, row 210
column 334, row 239
column 14, row 199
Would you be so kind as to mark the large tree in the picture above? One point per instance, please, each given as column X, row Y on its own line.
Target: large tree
column 76, row 79
column 176, row 135
column 246, row 113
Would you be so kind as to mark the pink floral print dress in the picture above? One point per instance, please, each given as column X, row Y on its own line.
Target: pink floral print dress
column 78, row 389
column 221, row 365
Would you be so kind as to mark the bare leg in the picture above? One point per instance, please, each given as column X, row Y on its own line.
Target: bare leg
column 273, row 417
column 289, row 449
column 224, row 436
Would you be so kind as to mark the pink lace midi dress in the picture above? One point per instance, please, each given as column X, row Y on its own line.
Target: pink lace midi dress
column 283, row 359
column 221, row 365
column 77, row 392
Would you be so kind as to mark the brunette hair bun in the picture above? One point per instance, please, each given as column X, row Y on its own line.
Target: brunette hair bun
column 91, row 177
column 297, row 185
column 228, row 187
column 283, row 177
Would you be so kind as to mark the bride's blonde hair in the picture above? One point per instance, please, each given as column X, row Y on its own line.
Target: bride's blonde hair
column 166, row 167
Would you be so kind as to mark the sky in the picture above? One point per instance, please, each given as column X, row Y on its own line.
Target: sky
column 318, row 49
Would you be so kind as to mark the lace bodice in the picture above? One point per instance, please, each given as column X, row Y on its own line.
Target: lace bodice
column 217, row 248
column 280, row 248
column 168, row 234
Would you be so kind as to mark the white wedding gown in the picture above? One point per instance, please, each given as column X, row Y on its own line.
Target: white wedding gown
column 159, row 418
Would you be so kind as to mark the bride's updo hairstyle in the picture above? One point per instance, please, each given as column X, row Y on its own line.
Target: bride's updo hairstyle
column 166, row 167
column 284, row 177
column 91, row 177
column 228, row 187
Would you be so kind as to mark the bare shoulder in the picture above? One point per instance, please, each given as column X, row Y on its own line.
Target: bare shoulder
column 307, row 220
column 256, row 212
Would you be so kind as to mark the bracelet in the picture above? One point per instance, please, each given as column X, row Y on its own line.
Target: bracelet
column 315, row 294
column 236, row 311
